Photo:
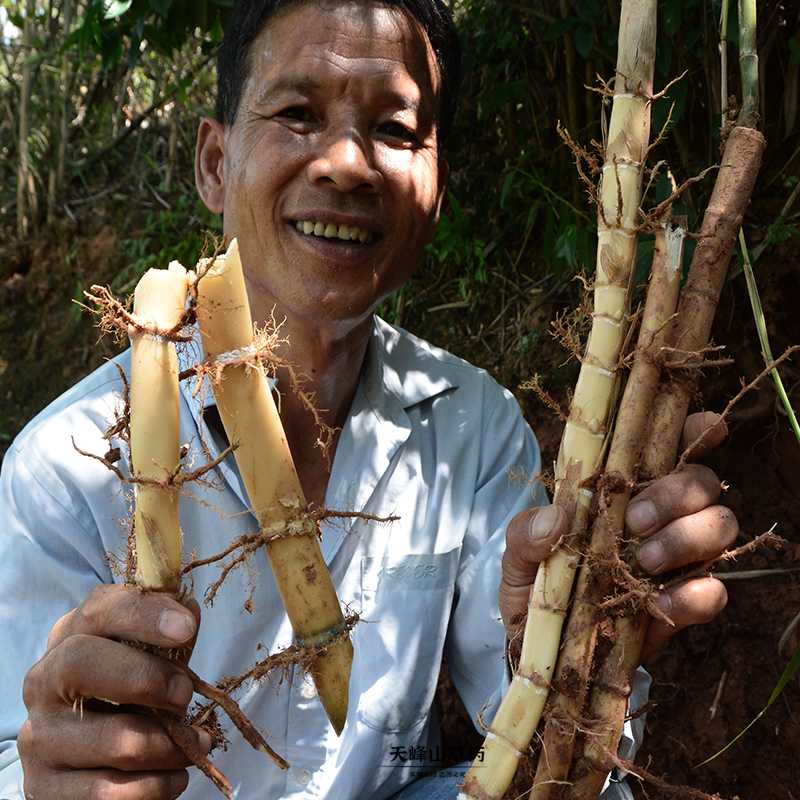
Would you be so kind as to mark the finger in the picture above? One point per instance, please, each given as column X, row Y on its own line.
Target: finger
column 697, row 537
column 530, row 538
column 692, row 489
column 689, row 603
column 702, row 432
column 122, row 612
column 92, row 740
column 106, row 785
column 92, row 667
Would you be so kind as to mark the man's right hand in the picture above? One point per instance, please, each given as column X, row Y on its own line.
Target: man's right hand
column 82, row 740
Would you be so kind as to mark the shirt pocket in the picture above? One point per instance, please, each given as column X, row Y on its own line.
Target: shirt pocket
column 406, row 603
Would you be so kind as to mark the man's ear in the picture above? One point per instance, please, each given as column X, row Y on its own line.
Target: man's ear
column 209, row 164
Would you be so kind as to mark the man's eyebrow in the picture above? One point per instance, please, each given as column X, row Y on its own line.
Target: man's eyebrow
column 301, row 86
column 309, row 86
column 403, row 101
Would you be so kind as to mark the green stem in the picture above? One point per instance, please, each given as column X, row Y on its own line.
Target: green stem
column 761, row 326
column 723, row 60
column 748, row 62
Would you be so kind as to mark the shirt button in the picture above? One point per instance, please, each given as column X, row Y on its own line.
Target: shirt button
column 304, row 776
column 309, row 690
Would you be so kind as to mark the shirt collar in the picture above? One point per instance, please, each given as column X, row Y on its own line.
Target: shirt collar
column 400, row 368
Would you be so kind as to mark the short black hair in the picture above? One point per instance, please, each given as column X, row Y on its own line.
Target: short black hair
column 250, row 16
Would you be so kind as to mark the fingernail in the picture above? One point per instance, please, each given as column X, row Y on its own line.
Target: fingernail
column 663, row 602
column 179, row 690
column 652, row 557
column 543, row 523
column 204, row 742
column 641, row 516
column 176, row 625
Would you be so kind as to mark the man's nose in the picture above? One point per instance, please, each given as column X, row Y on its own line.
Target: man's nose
column 345, row 161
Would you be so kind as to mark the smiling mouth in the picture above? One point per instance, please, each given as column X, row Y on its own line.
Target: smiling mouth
column 329, row 230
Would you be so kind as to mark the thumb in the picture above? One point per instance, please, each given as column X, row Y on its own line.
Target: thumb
column 186, row 651
column 530, row 538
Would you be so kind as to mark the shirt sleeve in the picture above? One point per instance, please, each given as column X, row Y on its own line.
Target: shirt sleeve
column 50, row 560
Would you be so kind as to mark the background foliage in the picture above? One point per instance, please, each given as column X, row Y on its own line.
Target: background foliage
column 99, row 103
column 101, row 99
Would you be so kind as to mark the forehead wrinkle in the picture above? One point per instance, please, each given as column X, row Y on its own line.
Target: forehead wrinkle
column 410, row 46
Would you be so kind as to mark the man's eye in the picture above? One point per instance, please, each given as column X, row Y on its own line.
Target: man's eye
column 296, row 113
column 397, row 130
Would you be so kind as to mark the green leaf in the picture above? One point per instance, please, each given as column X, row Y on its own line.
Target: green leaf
column 510, row 91
column 116, row 8
column 590, row 9
column 215, row 34
column 644, row 259
column 794, row 49
column 585, row 248
column 559, row 28
column 584, row 39
column 111, row 49
column 87, row 34
column 566, row 244
column 672, row 16
column 692, row 38
column 149, row 159
column 158, row 39
column 663, row 56
column 137, row 35
column 161, row 6
column 508, row 182
column 71, row 40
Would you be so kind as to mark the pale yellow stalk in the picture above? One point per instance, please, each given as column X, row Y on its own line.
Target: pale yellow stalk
column 576, row 666
column 584, row 437
column 249, row 415
column 158, row 303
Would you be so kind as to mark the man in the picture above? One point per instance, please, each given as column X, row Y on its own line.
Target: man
column 324, row 161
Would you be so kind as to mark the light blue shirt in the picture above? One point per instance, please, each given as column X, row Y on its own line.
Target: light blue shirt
column 429, row 438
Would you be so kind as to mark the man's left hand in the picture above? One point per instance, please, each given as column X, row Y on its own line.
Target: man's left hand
column 677, row 521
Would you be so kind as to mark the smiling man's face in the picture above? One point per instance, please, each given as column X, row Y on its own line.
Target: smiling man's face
column 330, row 176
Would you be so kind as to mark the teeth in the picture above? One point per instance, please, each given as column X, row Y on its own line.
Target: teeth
column 350, row 233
